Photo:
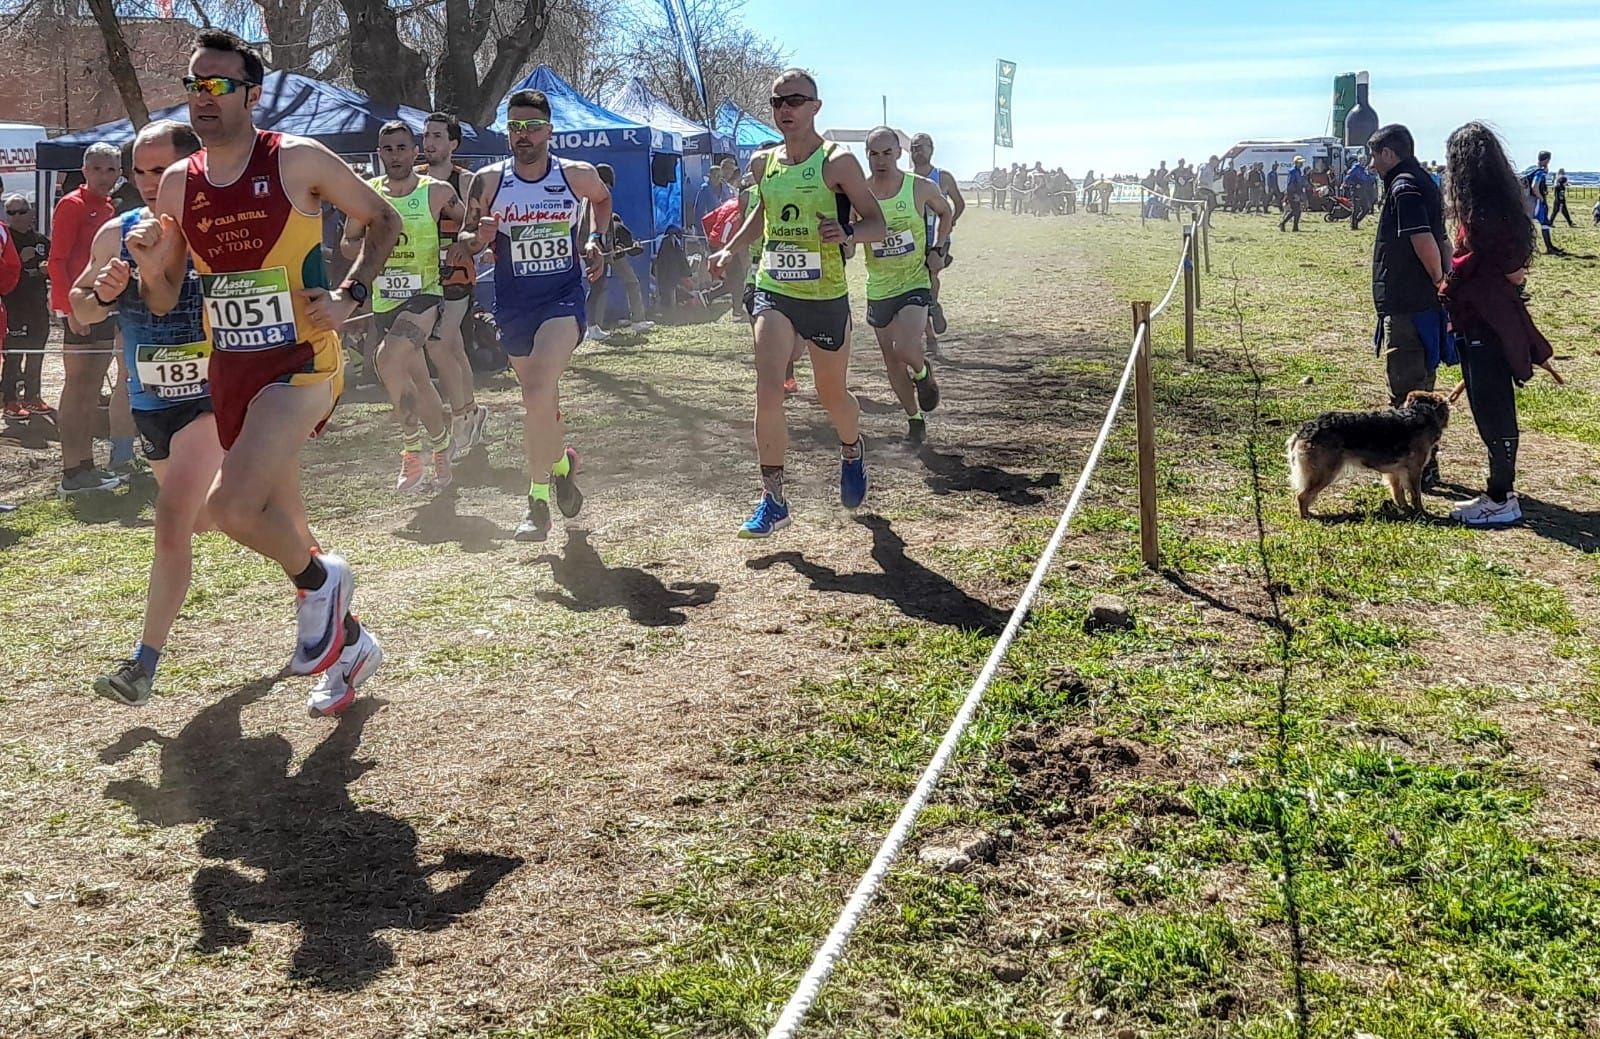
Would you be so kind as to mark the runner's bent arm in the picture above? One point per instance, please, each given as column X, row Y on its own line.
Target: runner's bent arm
column 948, row 185
column 101, row 276
column 309, row 165
column 446, row 204
column 585, row 183
column 748, row 231
column 478, row 227
column 158, row 245
column 843, row 174
column 925, row 197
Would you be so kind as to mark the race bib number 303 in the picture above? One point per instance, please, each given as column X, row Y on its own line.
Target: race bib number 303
column 543, row 248
column 174, row 372
column 786, row 261
column 250, row 310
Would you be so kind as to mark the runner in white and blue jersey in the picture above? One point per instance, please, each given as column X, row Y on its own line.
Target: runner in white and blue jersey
column 529, row 209
column 922, row 165
column 167, row 361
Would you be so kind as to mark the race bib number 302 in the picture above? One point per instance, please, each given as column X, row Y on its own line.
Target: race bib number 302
column 174, row 372
column 786, row 261
column 250, row 310
column 542, row 248
column 398, row 285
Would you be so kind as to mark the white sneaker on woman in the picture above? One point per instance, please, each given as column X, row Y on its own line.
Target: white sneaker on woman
column 1484, row 511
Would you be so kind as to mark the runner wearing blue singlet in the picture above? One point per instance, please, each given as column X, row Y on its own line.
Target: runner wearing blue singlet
column 528, row 209
column 922, row 165
column 167, row 360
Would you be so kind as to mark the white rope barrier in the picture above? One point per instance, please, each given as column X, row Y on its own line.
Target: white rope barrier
column 866, row 890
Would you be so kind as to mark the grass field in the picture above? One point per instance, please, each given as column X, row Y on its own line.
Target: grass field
column 1339, row 778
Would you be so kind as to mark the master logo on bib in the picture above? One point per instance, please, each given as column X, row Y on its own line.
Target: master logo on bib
column 250, row 310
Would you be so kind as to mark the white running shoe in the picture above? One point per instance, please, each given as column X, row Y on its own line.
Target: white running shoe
column 643, row 326
column 596, row 334
column 335, row 691
column 1484, row 511
column 475, row 426
column 319, row 618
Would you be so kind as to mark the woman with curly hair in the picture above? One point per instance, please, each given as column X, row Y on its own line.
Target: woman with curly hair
column 1497, row 341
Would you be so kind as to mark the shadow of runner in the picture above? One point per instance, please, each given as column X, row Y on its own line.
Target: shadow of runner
column 340, row 874
column 1579, row 530
column 438, row 523
column 588, row 584
column 949, row 473
column 912, row 588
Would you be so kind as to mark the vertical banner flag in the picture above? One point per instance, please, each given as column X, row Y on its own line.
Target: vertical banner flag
column 1344, row 99
column 678, row 21
column 1004, row 73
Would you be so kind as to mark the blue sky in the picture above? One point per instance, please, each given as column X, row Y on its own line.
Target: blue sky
column 1120, row 86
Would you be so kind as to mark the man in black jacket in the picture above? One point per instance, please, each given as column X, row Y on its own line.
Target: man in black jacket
column 1408, row 258
column 1561, row 199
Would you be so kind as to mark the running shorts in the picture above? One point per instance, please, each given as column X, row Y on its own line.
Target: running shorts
column 881, row 312
column 238, row 377
column 157, row 428
column 825, row 322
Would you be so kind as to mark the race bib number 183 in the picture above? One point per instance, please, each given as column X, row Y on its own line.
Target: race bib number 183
column 174, row 372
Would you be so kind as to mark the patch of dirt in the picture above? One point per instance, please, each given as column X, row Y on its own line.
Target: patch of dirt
column 1068, row 775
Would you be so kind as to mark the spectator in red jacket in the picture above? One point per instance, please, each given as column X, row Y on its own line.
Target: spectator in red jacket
column 87, row 349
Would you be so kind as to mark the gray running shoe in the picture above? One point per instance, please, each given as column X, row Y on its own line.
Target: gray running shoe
column 88, row 481
column 127, row 685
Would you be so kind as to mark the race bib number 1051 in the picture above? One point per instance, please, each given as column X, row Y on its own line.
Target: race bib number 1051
column 250, row 310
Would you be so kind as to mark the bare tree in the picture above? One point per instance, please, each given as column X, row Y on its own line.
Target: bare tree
column 120, row 60
column 736, row 63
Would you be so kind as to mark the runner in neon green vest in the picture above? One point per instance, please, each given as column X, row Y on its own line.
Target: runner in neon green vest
column 405, row 302
column 806, row 190
column 899, row 275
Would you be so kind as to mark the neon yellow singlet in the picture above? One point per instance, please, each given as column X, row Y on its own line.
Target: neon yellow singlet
column 899, row 264
column 413, row 268
column 794, row 261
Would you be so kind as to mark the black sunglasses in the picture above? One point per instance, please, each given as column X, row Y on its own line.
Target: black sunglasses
column 788, row 100
column 16, row 212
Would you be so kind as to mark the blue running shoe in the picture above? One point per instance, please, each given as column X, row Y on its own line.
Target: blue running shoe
column 770, row 517
column 853, row 478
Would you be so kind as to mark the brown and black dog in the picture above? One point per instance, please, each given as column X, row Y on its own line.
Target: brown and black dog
column 1396, row 442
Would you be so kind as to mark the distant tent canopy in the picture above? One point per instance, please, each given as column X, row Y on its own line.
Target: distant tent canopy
column 638, row 101
column 749, row 134
column 345, row 121
column 649, row 193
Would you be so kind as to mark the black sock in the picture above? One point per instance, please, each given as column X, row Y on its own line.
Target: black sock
column 352, row 629
column 312, row 577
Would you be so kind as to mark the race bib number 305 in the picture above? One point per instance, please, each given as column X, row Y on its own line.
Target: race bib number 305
column 898, row 244
column 174, row 372
column 786, row 261
column 250, row 310
column 543, row 248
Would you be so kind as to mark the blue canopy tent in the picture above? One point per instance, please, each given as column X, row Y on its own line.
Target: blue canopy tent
column 748, row 133
column 345, row 121
column 648, row 194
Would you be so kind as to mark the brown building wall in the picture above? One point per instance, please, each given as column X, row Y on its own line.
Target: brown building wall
column 55, row 73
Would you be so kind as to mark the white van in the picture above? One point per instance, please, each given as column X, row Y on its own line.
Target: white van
column 1326, row 153
column 17, row 172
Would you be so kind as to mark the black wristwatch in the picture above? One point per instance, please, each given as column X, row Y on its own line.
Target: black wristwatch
column 355, row 290
column 108, row 304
